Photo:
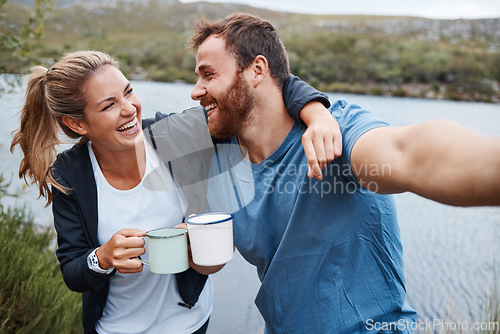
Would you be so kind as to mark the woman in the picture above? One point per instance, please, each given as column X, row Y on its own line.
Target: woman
column 99, row 197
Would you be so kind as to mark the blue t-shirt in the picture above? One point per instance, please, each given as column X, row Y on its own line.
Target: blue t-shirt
column 328, row 253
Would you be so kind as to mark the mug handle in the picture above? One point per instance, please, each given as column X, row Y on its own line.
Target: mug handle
column 139, row 257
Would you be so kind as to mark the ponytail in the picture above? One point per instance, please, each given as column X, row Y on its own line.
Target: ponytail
column 37, row 136
column 50, row 96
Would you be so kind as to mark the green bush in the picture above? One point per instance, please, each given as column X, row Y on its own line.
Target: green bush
column 33, row 296
column 400, row 92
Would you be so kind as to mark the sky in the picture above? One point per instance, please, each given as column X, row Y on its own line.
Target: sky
column 441, row 9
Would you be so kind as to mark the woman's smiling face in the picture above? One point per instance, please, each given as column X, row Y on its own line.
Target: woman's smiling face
column 112, row 120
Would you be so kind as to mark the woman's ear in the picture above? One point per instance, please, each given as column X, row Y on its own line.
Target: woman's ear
column 77, row 125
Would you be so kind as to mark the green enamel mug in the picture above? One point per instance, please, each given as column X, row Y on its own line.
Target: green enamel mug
column 167, row 249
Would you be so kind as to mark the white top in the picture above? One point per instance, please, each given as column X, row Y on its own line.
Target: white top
column 144, row 302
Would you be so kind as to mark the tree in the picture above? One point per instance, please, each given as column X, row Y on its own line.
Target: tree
column 16, row 41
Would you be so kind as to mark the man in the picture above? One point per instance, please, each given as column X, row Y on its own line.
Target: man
column 327, row 252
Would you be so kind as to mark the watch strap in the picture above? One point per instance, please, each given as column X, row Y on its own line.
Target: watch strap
column 93, row 263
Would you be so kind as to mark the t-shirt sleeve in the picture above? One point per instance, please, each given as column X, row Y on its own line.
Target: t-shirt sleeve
column 354, row 121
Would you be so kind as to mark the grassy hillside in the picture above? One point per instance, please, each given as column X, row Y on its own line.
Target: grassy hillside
column 404, row 56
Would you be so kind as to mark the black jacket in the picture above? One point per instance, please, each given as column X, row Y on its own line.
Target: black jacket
column 75, row 219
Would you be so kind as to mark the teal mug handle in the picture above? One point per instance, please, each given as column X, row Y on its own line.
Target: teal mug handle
column 139, row 257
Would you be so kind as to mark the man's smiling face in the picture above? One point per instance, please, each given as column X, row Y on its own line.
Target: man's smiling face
column 221, row 89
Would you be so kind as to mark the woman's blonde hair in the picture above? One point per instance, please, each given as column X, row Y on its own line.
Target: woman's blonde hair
column 50, row 95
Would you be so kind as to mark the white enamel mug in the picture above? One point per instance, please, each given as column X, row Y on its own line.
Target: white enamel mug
column 211, row 238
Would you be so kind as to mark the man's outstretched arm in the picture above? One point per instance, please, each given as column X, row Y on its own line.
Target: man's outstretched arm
column 440, row 160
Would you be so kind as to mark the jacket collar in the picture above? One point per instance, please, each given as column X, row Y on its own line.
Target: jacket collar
column 77, row 171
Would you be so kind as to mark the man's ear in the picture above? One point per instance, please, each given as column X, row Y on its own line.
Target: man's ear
column 77, row 125
column 259, row 69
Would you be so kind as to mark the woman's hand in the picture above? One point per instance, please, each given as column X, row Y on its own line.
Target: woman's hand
column 322, row 140
column 122, row 250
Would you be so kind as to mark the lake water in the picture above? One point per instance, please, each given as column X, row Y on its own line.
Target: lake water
column 449, row 252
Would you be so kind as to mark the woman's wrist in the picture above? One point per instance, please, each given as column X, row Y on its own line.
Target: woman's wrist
column 95, row 265
column 313, row 111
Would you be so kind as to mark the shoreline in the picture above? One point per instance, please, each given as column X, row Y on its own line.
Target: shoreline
column 10, row 83
column 446, row 92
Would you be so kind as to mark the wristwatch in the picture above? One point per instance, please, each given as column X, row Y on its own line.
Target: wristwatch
column 93, row 263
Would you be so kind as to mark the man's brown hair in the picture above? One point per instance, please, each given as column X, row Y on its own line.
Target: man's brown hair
column 246, row 37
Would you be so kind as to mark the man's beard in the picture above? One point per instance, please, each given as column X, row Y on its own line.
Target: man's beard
column 233, row 109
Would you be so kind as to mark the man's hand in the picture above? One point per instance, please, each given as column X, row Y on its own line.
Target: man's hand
column 205, row 270
column 322, row 140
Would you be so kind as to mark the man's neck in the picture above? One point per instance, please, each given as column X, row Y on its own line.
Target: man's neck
column 265, row 131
